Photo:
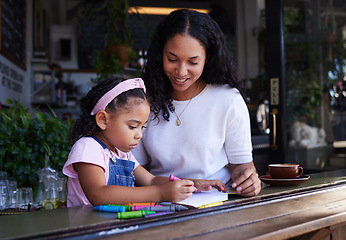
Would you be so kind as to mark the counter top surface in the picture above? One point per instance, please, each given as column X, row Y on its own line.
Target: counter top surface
column 292, row 202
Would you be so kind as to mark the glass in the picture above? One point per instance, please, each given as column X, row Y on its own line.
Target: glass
column 50, row 197
column 4, row 197
column 62, row 190
column 25, row 198
column 12, row 193
column 3, row 176
column 51, row 189
column 55, row 194
column 315, row 79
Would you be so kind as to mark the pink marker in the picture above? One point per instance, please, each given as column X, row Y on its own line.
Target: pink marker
column 174, row 178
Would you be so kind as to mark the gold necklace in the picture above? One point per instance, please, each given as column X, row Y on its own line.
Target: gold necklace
column 178, row 121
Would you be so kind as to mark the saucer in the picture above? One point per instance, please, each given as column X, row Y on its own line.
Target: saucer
column 284, row 182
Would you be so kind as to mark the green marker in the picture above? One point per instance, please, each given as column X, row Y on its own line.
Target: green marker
column 133, row 214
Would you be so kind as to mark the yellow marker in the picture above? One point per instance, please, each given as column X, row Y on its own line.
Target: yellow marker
column 211, row 204
column 233, row 192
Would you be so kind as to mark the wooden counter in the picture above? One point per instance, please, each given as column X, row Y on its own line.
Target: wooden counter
column 314, row 208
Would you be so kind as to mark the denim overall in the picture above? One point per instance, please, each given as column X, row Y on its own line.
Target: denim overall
column 120, row 171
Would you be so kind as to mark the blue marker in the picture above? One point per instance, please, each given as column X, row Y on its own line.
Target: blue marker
column 107, row 208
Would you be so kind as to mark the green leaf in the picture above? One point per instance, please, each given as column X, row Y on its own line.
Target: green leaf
column 25, row 141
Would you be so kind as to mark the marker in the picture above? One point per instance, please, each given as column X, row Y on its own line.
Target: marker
column 232, row 192
column 165, row 208
column 145, row 203
column 174, row 178
column 139, row 207
column 211, row 204
column 157, row 214
column 133, row 214
column 127, row 207
column 173, row 204
column 165, row 203
column 159, row 207
column 107, row 208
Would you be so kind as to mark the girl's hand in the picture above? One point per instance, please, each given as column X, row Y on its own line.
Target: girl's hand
column 207, row 185
column 176, row 191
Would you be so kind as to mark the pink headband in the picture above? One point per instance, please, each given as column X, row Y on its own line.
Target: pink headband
column 120, row 88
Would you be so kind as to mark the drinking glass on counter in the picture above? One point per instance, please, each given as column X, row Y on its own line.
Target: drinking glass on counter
column 55, row 194
column 4, row 196
column 12, row 193
column 3, row 176
column 24, row 198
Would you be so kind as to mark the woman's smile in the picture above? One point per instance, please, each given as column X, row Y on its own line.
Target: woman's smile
column 180, row 80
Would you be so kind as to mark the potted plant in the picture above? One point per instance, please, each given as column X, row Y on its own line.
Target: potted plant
column 26, row 140
column 111, row 19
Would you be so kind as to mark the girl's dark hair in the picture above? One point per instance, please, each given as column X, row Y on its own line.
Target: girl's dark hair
column 86, row 125
column 219, row 69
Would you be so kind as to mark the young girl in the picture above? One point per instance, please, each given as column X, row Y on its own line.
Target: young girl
column 100, row 166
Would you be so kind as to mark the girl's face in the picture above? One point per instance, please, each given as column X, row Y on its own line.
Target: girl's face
column 124, row 128
column 183, row 62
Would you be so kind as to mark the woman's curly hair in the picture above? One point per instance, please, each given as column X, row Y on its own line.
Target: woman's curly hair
column 219, row 68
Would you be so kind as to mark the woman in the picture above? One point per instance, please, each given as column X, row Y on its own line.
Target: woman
column 199, row 125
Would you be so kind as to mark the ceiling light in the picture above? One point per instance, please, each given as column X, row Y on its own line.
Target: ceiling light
column 159, row 10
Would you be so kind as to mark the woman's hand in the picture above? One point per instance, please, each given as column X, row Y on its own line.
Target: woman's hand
column 245, row 179
column 207, row 185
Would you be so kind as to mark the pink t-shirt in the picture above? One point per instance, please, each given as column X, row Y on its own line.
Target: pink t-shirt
column 88, row 150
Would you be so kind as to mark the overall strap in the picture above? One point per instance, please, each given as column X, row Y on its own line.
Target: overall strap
column 99, row 141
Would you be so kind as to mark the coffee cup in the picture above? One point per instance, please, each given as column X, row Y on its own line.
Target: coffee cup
column 285, row 171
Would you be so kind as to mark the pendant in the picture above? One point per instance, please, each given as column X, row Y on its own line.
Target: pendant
column 113, row 159
column 178, row 122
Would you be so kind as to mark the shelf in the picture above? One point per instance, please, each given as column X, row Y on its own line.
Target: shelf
column 43, row 87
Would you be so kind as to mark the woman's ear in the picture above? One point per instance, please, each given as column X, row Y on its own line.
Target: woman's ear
column 101, row 119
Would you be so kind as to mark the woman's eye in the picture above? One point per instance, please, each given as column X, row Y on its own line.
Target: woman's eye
column 132, row 127
column 172, row 60
column 193, row 63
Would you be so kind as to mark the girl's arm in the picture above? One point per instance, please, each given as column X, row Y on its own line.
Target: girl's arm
column 143, row 177
column 97, row 191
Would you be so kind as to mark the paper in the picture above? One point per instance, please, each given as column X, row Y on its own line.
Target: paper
column 205, row 197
